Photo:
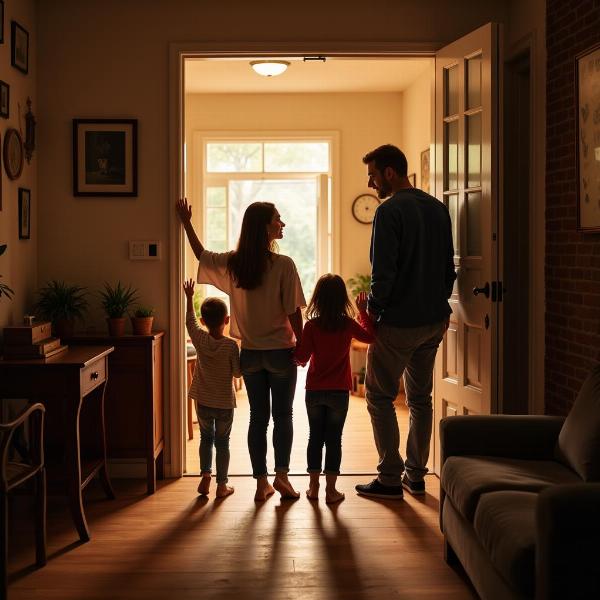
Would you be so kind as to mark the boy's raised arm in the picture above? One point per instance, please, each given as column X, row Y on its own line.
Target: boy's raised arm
column 184, row 212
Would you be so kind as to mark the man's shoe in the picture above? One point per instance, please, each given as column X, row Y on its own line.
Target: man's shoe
column 376, row 489
column 416, row 488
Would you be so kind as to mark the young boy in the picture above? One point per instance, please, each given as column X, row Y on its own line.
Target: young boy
column 217, row 363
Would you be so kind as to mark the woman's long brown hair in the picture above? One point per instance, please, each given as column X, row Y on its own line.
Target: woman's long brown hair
column 330, row 306
column 248, row 263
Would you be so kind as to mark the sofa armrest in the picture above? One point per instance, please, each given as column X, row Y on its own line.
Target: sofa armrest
column 568, row 530
column 510, row 436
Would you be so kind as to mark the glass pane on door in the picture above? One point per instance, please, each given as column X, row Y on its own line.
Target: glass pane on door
column 473, row 206
column 451, row 155
column 451, row 91
column 473, row 126
column 474, row 82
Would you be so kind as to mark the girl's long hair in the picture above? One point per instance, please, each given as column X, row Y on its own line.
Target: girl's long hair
column 330, row 306
column 248, row 263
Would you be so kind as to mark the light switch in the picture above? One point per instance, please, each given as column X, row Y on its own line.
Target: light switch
column 144, row 250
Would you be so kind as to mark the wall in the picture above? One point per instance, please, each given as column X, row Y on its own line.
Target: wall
column 363, row 121
column 18, row 265
column 572, row 259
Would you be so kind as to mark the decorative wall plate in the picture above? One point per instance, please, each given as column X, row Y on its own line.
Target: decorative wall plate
column 13, row 153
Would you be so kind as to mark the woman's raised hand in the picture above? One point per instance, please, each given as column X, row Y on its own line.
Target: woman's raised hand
column 188, row 287
column 361, row 301
column 184, row 210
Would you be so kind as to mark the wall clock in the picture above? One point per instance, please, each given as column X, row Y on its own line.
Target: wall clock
column 13, row 153
column 364, row 207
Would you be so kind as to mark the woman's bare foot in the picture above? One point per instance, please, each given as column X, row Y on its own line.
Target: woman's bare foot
column 263, row 489
column 284, row 487
column 312, row 493
column 332, row 496
column 204, row 484
column 224, row 490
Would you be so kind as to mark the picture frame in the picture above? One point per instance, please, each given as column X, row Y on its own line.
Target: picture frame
column 105, row 157
column 1, row 21
column 412, row 178
column 425, row 170
column 19, row 48
column 587, row 90
column 24, row 213
column 4, row 100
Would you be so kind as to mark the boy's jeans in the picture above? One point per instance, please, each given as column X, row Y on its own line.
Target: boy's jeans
column 396, row 351
column 270, row 378
column 215, row 428
column 327, row 410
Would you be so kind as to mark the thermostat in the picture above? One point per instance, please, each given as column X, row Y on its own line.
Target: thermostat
column 144, row 250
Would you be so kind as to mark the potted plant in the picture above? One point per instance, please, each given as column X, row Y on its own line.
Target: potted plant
column 141, row 321
column 115, row 302
column 359, row 283
column 4, row 288
column 62, row 304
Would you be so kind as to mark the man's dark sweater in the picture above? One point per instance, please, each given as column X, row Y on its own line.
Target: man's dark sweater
column 412, row 260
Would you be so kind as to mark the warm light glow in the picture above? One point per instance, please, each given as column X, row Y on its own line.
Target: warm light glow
column 269, row 68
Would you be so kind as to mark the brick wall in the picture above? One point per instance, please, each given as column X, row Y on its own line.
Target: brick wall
column 572, row 258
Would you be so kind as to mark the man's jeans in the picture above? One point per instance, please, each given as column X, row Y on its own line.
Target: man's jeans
column 327, row 410
column 270, row 378
column 215, row 429
column 397, row 351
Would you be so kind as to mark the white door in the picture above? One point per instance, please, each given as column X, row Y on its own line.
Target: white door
column 466, row 179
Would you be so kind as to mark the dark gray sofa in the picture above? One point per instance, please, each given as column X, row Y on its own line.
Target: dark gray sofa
column 520, row 500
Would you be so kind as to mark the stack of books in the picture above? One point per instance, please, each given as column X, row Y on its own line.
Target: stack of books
column 31, row 341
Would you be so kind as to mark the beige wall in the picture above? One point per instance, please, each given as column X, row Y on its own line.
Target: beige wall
column 362, row 120
column 18, row 265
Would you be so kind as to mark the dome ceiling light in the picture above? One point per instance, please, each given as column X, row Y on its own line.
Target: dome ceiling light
column 269, row 68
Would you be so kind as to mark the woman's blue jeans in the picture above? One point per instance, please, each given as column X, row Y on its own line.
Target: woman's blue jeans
column 327, row 410
column 270, row 379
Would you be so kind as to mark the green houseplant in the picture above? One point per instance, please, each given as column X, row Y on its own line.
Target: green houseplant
column 359, row 283
column 141, row 320
column 62, row 304
column 4, row 288
column 115, row 302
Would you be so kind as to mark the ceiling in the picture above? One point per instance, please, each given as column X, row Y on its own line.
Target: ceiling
column 235, row 76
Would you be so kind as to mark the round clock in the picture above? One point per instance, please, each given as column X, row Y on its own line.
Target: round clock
column 13, row 153
column 364, row 207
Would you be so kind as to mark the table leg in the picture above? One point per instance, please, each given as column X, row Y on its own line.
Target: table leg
column 103, row 473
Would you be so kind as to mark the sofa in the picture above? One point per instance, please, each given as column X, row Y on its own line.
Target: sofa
column 520, row 500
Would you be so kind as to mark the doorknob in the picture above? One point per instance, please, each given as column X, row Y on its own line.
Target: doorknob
column 485, row 290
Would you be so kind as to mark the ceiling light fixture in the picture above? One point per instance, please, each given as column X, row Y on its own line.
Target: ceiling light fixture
column 269, row 68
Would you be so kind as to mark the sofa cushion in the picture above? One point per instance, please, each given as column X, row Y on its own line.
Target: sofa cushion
column 466, row 478
column 505, row 524
column 579, row 439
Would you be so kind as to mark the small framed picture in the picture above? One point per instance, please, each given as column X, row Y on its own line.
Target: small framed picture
column 4, row 100
column 412, row 178
column 24, row 214
column 19, row 48
column 105, row 157
column 425, row 171
column 1, row 21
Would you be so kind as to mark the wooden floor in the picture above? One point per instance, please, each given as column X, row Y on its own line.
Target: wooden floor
column 177, row 545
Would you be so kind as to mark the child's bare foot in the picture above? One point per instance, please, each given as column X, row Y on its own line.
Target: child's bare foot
column 204, row 485
column 312, row 493
column 263, row 489
column 224, row 490
column 284, row 487
column 332, row 496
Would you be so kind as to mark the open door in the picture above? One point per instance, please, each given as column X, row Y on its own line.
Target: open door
column 467, row 150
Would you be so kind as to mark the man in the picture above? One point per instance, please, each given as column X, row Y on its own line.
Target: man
column 412, row 275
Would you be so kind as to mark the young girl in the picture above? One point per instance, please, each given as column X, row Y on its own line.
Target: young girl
column 326, row 342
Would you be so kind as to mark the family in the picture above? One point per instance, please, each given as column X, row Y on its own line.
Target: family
column 403, row 319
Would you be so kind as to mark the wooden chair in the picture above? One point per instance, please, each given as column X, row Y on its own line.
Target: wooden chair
column 13, row 474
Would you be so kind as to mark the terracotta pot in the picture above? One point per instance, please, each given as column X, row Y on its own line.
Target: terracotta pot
column 64, row 328
column 142, row 325
column 116, row 326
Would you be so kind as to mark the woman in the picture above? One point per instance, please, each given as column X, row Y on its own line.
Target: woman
column 266, row 299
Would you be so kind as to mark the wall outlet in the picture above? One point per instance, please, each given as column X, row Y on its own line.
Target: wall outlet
column 144, row 250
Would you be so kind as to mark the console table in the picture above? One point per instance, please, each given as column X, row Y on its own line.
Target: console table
column 134, row 399
column 71, row 387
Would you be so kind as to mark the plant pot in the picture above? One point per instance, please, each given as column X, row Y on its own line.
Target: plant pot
column 116, row 326
column 64, row 328
column 142, row 325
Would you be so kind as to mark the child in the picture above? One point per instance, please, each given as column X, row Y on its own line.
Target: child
column 326, row 341
column 217, row 363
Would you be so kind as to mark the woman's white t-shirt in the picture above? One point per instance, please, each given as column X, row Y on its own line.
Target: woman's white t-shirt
column 259, row 317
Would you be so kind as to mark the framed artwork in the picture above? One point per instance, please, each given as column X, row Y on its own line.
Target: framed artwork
column 587, row 88
column 12, row 153
column 1, row 21
column 24, row 214
column 19, row 48
column 105, row 157
column 4, row 100
column 425, row 170
column 412, row 178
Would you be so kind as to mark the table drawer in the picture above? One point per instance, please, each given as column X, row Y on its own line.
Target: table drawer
column 93, row 375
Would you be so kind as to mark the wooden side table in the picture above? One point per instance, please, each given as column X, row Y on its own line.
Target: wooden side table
column 71, row 386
